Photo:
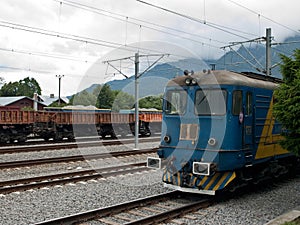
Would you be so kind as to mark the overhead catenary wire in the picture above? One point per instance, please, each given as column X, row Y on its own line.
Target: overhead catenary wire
column 141, row 23
column 221, row 27
column 69, row 75
column 253, row 57
column 48, row 72
column 104, row 43
column 260, row 15
column 24, row 69
column 111, row 45
column 286, row 43
column 82, row 39
column 194, row 19
column 56, row 34
column 210, row 24
column 72, row 37
column 119, row 16
column 284, row 53
column 246, row 60
column 44, row 54
column 51, row 73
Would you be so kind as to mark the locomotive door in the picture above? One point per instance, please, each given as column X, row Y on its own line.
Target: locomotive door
column 248, row 128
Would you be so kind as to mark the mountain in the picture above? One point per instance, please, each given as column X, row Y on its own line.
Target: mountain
column 234, row 61
column 150, row 83
column 153, row 81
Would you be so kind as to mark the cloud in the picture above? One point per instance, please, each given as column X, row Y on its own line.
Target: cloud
column 119, row 24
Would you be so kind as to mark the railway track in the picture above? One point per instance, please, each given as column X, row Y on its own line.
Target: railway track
column 150, row 210
column 61, row 146
column 66, row 159
column 70, row 177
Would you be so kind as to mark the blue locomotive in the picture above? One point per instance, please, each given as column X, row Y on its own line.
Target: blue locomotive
column 218, row 132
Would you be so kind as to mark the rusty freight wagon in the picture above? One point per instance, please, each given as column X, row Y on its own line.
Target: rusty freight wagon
column 15, row 124
column 61, row 124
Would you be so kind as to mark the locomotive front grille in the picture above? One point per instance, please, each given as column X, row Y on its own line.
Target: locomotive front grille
column 189, row 132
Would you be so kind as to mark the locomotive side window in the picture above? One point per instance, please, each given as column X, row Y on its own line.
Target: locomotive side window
column 237, row 102
column 210, row 102
column 175, row 102
column 248, row 103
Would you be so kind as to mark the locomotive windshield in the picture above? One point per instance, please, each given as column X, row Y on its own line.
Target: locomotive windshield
column 210, row 102
column 176, row 102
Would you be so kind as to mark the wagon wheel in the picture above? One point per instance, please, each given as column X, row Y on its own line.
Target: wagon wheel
column 22, row 139
column 71, row 138
column 148, row 134
column 57, row 137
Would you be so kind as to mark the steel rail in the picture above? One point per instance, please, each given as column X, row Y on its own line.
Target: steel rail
column 136, row 205
column 33, row 162
column 172, row 213
column 61, row 146
column 102, row 212
column 71, row 177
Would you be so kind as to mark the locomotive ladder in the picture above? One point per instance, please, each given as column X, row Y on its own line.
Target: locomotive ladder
column 248, row 158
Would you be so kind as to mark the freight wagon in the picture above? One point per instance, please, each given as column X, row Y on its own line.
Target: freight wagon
column 56, row 124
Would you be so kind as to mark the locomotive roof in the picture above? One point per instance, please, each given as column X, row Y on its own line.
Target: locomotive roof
column 225, row 77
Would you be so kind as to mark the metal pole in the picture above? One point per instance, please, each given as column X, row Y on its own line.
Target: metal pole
column 268, row 51
column 137, row 76
column 136, row 62
column 59, row 80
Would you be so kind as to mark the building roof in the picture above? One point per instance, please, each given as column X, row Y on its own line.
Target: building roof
column 9, row 100
column 47, row 100
column 4, row 101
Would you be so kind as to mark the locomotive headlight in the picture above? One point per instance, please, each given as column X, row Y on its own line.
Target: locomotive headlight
column 201, row 168
column 154, row 163
column 188, row 81
column 167, row 139
column 194, row 81
column 212, row 142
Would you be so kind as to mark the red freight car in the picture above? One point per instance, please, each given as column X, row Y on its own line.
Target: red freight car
column 16, row 124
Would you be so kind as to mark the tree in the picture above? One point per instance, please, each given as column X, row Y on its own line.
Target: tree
column 122, row 100
column 287, row 104
column 151, row 102
column 26, row 87
column 105, row 97
column 83, row 98
column 10, row 89
column 97, row 90
column 29, row 86
column 56, row 104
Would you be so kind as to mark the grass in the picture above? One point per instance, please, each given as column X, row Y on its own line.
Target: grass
column 294, row 222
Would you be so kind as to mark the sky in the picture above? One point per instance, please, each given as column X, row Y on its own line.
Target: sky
column 83, row 39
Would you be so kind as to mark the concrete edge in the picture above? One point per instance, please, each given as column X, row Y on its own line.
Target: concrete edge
column 286, row 217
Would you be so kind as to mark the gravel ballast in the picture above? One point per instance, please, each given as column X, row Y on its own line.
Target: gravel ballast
column 71, row 152
column 48, row 169
column 39, row 205
column 33, row 206
column 257, row 207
